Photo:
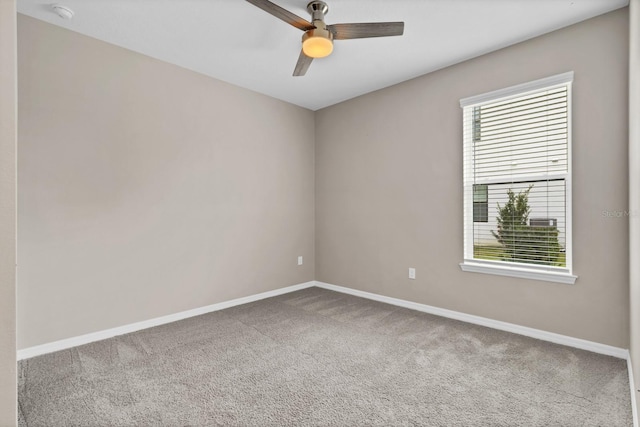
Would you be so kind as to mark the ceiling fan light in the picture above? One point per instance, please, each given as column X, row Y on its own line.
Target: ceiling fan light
column 317, row 43
column 317, row 47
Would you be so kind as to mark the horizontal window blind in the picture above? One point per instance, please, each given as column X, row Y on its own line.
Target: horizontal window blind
column 516, row 179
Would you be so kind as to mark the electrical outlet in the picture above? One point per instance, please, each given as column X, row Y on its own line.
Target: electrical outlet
column 412, row 273
column 300, row 260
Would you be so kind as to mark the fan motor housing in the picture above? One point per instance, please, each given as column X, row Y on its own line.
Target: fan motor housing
column 318, row 32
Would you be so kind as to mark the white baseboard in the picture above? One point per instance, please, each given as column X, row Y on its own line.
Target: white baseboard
column 38, row 350
column 634, row 403
column 595, row 347
column 483, row 321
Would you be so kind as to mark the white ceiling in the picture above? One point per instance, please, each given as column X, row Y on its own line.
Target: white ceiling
column 234, row 41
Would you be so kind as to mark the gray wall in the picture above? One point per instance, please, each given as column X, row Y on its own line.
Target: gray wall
column 634, row 190
column 389, row 187
column 8, row 128
column 146, row 189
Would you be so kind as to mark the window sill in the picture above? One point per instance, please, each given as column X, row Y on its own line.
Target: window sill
column 523, row 273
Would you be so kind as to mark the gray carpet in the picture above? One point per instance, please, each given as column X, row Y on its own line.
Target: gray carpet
column 320, row 358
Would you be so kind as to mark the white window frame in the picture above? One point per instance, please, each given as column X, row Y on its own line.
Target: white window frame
column 503, row 268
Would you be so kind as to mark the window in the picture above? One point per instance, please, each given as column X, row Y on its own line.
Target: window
column 517, row 181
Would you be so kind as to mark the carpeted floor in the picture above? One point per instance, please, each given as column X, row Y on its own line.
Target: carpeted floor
column 320, row 358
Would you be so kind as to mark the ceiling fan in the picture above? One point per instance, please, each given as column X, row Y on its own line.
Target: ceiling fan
column 318, row 37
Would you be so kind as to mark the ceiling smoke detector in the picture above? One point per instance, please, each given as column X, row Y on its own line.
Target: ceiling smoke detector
column 62, row 11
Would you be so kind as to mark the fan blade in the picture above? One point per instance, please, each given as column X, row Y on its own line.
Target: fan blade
column 303, row 64
column 364, row 30
column 284, row 14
